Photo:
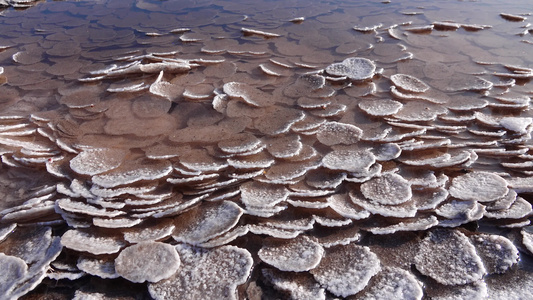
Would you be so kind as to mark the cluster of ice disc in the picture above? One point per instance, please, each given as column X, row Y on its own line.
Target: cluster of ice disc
column 180, row 173
column 18, row 3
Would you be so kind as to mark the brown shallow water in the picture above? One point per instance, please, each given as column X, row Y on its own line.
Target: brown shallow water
column 266, row 149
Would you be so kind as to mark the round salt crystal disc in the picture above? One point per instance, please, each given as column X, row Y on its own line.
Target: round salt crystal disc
column 479, row 186
column 389, row 189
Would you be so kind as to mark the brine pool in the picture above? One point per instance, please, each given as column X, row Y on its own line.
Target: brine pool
column 266, row 149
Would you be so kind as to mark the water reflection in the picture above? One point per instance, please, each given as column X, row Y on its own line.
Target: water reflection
column 267, row 148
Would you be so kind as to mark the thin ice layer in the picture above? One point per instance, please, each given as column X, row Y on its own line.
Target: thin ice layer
column 346, row 270
column 206, row 222
column 147, row 261
column 295, row 255
column 479, row 186
column 394, row 283
column 205, row 274
column 448, row 257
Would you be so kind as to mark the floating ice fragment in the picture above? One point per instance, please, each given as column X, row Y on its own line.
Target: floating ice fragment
column 465, row 83
column 240, row 143
column 478, row 186
column 104, row 268
column 459, row 212
column 77, row 207
column 227, row 237
column 504, row 202
column 6, row 230
column 154, row 231
column 205, row 274
column 330, row 111
column 442, row 161
column 519, row 209
column 206, row 221
column 323, row 179
column 497, row 252
column 310, row 85
column 516, row 124
column 448, row 257
column 446, row 25
column 412, row 13
column 116, row 222
column 200, row 160
column 147, row 261
column 258, row 194
column 134, row 171
column 386, row 152
column 381, row 107
column 389, row 189
column 367, row 29
column 527, row 238
column 513, row 17
column 420, row 111
column 306, row 102
column 165, row 89
column 333, row 133
column 91, row 242
column 298, row 285
column 248, row 31
column 420, row 29
column 274, row 70
column 249, row 94
column 342, row 204
column 255, row 161
column 394, row 283
column 297, row 20
column 295, row 255
column 355, row 68
column 97, row 160
column 418, row 224
column 269, row 230
column 175, row 66
column 349, row 160
column 278, row 120
column 409, row 83
column 407, row 209
column 466, row 103
column 198, row 91
column 431, row 196
column 128, row 87
column 13, row 269
column 346, row 270
column 475, row 27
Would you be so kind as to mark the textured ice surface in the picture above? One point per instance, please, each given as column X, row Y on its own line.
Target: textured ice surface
column 449, row 257
column 147, row 261
column 296, row 255
column 204, row 223
column 128, row 127
column 205, row 274
column 389, row 189
column 409, row 83
column 479, row 186
column 355, row 68
column 394, row 283
column 89, row 242
column 346, row 270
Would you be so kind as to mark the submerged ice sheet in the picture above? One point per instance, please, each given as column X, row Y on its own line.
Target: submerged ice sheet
column 265, row 149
